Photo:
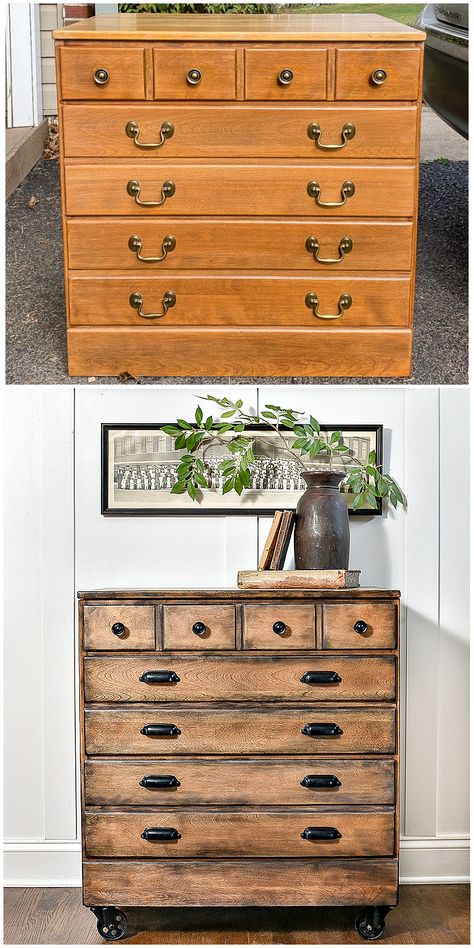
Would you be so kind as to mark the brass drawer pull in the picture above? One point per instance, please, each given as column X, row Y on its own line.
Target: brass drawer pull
column 132, row 129
column 285, row 77
column 347, row 191
column 344, row 302
column 134, row 189
column 378, row 77
column 312, row 246
column 101, row 77
column 194, row 77
column 347, row 133
column 169, row 300
column 167, row 246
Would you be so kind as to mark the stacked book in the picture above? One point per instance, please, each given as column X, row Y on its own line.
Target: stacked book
column 278, row 540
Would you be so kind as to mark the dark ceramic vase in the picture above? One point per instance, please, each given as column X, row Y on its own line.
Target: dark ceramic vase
column 322, row 537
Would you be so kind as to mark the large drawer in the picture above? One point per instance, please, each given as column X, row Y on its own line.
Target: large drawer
column 231, row 730
column 119, row 626
column 243, row 678
column 208, row 832
column 310, row 301
column 245, row 189
column 270, row 781
column 242, row 131
column 137, row 244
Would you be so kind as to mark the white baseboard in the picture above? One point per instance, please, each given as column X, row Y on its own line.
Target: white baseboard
column 423, row 860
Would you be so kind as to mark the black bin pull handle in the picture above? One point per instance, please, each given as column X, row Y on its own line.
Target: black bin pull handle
column 159, row 677
column 320, row 781
column 159, row 730
column 160, row 834
column 321, row 678
column 159, row 781
column 321, row 832
column 321, row 730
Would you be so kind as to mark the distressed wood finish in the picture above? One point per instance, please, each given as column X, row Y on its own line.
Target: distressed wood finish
column 138, row 622
column 258, row 781
column 338, row 626
column 258, row 631
column 240, row 678
column 240, row 114
column 178, row 621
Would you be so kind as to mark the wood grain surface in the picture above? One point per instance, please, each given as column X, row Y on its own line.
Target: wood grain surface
column 354, row 69
column 217, row 68
column 178, row 624
column 258, row 631
column 126, row 68
column 338, row 625
column 139, row 622
column 263, row 67
column 224, row 595
column 244, row 730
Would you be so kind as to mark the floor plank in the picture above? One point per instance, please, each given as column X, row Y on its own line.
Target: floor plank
column 426, row 915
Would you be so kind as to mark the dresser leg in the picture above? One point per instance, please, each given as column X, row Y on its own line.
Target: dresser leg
column 371, row 922
column 111, row 923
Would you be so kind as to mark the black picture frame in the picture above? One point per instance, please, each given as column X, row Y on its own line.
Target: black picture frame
column 192, row 508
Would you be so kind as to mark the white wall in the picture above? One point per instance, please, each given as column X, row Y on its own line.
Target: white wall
column 58, row 542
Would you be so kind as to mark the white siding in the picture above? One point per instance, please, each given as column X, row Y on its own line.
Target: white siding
column 51, row 16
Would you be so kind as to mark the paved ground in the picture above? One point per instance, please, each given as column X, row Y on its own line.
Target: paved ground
column 35, row 333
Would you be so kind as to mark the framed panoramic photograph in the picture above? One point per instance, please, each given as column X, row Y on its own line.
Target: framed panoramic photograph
column 139, row 464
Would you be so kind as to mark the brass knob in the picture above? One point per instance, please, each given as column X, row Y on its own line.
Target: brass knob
column 286, row 76
column 378, row 77
column 193, row 77
column 101, row 77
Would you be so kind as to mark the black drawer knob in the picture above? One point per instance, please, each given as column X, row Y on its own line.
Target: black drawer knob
column 321, row 832
column 160, row 834
column 279, row 628
column 321, row 678
column 360, row 626
column 194, row 77
column 159, row 677
column 199, row 628
column 159, row 781
column 285, row 77
column 321, row 730
column 118, row 628
column 159, row 730
column 320, row 781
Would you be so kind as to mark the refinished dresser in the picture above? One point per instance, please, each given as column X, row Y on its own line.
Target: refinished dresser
column 239, row 748
column 239, row 193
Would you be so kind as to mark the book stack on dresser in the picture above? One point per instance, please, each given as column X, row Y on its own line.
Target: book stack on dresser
column 239, row 194
column 239, row 747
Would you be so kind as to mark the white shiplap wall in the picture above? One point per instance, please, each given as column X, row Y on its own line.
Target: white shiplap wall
column 57, row 542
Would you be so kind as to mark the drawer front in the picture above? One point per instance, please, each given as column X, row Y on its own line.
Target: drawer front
column 208, row 832
column 102, row 72
column 285, row 74
column 267, row 781
column 240, row 731
column 251, row 300
column 250, row 189
column 198, row 627
column 279, row 626
column 378, row 628
column 378, row 74
column 279, row 678
column 237, row 245
column 242, row 131
column 194, row 73
column 119, row 627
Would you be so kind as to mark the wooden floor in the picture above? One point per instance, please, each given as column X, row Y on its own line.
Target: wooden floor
column 426, row 915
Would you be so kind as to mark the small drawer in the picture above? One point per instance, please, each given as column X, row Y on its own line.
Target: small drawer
column 207, row 832
column 378, row 74
column 198, row 627
column 102, row 73
column 240, row 730
column 285, row 74
column 271, row 782
column 360, row 625
column 194, row 73
column 119, row 627
column 279, row 626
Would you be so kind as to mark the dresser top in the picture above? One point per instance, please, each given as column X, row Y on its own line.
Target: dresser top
column 359, row 593
column 241, row 27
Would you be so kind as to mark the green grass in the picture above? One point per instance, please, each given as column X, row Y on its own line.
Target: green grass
column 400, row 12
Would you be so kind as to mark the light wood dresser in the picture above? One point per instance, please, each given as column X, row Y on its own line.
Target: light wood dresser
column 239, row 748
column 239, row 194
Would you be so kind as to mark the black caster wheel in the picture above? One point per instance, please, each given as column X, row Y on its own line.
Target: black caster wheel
column 111, row 923
column 371, row 922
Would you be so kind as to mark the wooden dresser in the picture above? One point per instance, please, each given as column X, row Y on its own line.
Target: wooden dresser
column 239, row 748
column 239, row 194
